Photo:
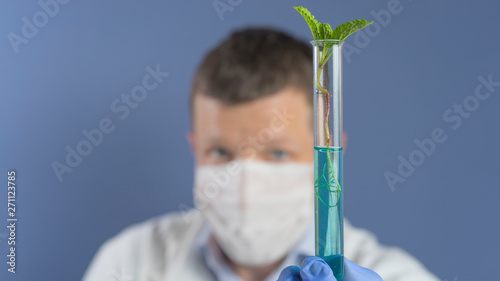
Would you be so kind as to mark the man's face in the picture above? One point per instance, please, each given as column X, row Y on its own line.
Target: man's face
column 275, row 128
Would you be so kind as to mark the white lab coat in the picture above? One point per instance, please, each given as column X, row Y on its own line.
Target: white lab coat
column 163, row 249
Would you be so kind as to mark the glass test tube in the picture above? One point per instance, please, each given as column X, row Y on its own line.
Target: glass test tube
column 328, row 184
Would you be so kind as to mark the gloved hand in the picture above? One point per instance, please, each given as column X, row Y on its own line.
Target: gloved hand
column 316, row 269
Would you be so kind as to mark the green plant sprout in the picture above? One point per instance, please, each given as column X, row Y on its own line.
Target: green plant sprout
column 323, row 31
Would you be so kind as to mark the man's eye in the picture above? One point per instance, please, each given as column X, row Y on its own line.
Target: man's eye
column 280, row 154
column 219, row 152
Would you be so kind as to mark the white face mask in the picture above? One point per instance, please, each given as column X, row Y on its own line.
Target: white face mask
column 258, row 210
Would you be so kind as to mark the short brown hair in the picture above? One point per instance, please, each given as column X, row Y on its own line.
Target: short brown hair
column 254, row 63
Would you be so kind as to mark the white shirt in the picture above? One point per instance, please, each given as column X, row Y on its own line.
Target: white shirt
column 176, row 247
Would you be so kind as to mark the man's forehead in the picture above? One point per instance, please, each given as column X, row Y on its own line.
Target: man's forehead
column 203, row 103
column 284, row 113
column 290, row 97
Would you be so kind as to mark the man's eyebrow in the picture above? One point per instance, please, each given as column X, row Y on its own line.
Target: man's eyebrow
column 276, row 138
column 213, row 139
column 287, row 141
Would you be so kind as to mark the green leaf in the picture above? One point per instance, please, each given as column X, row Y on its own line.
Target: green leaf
column 344, row 30
column 324, row 31
column 311, row 21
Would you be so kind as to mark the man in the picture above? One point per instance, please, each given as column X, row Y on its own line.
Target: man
column 252, row 138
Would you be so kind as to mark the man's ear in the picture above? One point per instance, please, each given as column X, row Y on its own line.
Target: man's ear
column 344, row 140
column 190, row 139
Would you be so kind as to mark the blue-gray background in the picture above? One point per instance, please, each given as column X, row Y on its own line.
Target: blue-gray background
column 396, row 89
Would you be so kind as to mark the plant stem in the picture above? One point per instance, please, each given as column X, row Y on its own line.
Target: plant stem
column 323, row 61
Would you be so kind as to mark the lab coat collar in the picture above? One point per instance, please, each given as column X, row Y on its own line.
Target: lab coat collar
column 221, row 269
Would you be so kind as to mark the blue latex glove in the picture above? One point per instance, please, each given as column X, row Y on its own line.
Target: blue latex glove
column 316, row 269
